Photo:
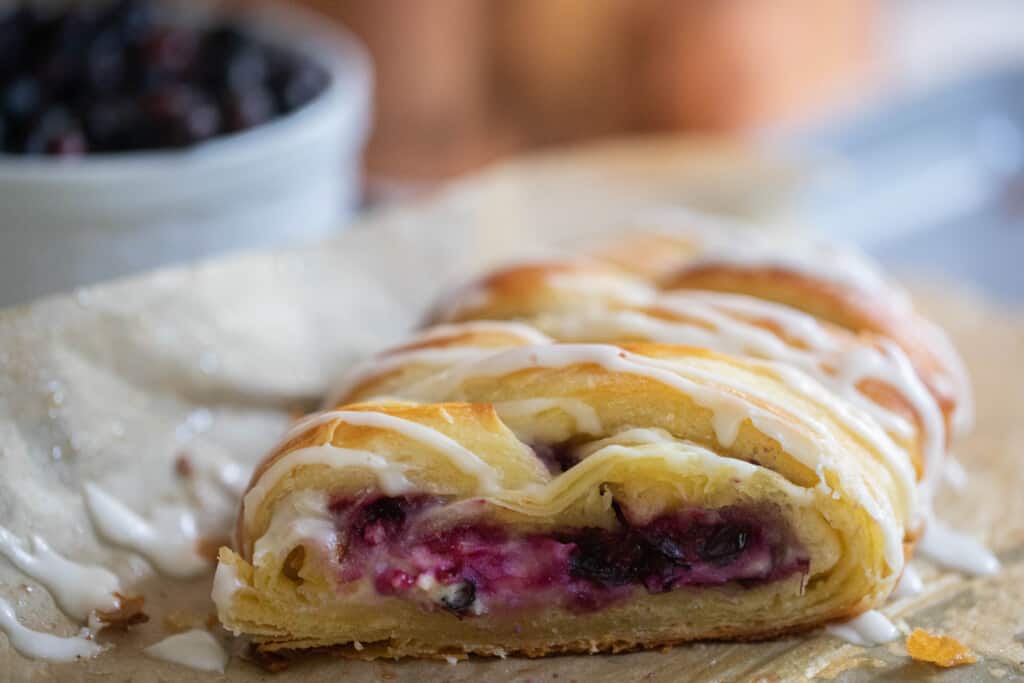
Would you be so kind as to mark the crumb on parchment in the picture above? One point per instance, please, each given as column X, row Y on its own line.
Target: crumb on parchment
column 943, row 651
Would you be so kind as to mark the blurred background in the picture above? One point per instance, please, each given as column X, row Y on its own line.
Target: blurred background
column 460, row 83
column 904, row 118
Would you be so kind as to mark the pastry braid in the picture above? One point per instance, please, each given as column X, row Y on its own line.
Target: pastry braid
column 669, row 439
column 569, row 497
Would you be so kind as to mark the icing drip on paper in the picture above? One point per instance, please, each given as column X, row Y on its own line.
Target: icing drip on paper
column 870, row 628
column 77, row 589
column 39, row 645
column 303, row 517
column 954, row 474
column 226, row 584
column 956, row 550
column 909, row 585
column 196, row 649
column 168, row 541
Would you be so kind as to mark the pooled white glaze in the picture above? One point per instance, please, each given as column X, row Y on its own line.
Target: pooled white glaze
column 870, row 628
column 197, row 649
column 77, row 589
column 226, row 584
column 168, row 541
column 585, row 416
column 953, row 473
column 909, row 585
column 800, row 435
column 301, row 518
column 956, row 550
column 39, row 645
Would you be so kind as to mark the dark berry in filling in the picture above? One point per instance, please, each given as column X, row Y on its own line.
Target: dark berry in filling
column 472, row 567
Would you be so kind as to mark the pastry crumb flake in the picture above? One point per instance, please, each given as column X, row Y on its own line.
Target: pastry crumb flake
column 943, row 651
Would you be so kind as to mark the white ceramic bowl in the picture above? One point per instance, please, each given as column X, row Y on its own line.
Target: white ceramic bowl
column 66, row 223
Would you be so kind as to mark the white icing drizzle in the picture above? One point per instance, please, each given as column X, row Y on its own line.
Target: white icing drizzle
column 727, row 243
column 77, row 589
column 460, row 456
column 729, row 323
column 909, row 585
column 526, row 333
column 955, row 375
column 956, row 550
column 805, row 439
column 734, row 244
column 197, row 649
column 390, row 476
column 870, row 628
column 226, row 584
column 39, row 645
column 385, row 363
column 611, row 287
column 302, row 516
column 379, row 366
column 168, row 541
column 585, row 416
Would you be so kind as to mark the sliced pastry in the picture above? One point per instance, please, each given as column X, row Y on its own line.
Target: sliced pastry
column 570, row 498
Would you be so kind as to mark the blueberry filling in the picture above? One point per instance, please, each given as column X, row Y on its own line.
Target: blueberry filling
column 125, row 75
column 473, row 567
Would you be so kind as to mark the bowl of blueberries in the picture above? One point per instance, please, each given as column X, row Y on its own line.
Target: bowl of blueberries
column 136, row 133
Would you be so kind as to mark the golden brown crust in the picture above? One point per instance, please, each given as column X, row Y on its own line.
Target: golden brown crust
column 521, row 290
column 603, row 645
column 337, row 432
column 840, row 305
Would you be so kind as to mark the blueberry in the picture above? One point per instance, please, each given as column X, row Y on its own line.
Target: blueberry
column 299, row 84
column 246, row 68
column 112, row 124
column 130, row 18
column 609, row 559
column 22, row 99
column 181, row 115
column 459, row 597
column 248, row 108
column 56, row 133
column 723, row 544
column 169, row 50
column 379, row 521
column 104, row 68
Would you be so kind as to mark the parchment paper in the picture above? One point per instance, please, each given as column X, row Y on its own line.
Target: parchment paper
column 99, row 385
